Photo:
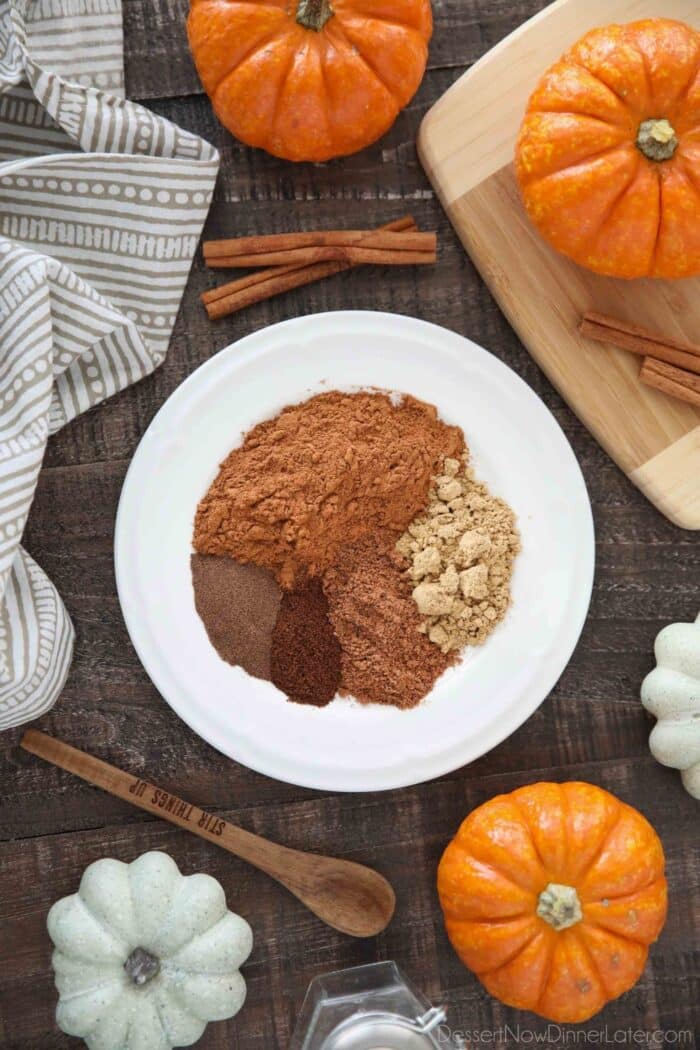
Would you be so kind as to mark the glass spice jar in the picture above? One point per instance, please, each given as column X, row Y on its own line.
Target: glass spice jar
column 371, row 1007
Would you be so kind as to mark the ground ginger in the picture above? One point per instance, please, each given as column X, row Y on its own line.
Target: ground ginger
column 460, row 554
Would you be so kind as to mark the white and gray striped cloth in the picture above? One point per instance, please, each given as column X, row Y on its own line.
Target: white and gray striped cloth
column 101, row 208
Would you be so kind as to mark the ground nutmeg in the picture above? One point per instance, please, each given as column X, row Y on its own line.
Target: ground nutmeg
column 305, row 658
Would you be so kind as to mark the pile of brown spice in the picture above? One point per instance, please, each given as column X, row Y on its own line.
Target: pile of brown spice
column 322, row 474
column 327, row 513
column 385, row 660
column 306, row 654
column 238, row 604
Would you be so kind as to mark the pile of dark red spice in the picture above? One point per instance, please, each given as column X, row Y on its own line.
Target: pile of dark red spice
column 295, row 571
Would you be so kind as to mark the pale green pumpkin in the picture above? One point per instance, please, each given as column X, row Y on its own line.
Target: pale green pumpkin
column 671, row 692
column 146, row 956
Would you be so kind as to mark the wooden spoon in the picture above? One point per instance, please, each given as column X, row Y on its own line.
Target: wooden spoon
column 345, row 895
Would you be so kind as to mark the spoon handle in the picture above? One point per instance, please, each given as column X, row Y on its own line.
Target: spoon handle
column 296, row 870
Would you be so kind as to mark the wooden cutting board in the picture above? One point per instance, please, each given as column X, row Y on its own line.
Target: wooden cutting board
column 466, row 144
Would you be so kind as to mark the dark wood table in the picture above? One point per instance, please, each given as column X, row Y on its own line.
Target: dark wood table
column 592, row 727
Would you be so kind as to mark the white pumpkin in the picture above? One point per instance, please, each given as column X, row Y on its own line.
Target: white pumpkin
column 672, row 692
column 146, row 956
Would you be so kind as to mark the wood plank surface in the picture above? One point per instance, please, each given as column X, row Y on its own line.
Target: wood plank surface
column 467, row 142
column 592, row 727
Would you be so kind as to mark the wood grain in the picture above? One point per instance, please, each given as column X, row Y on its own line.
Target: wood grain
column 592, row 726
column 467, row 143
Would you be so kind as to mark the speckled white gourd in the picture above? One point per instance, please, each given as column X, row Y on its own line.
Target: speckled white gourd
column 180, row 920
column 672, row 693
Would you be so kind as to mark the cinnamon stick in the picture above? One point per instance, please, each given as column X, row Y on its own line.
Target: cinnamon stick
column 355, row 254
column 638, row 340
column 235, row 295
column 282, row 242
column 275, row 284
column 251, row 279
column 676, row 382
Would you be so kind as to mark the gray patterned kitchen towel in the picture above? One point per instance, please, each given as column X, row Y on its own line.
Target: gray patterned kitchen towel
column 101, row 208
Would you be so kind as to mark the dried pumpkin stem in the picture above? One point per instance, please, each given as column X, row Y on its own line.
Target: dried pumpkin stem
column 313, row 14
column 657, row 139
column 142, row 966
column 559, row 906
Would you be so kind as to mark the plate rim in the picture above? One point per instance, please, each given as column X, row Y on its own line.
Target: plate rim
column 489, row 738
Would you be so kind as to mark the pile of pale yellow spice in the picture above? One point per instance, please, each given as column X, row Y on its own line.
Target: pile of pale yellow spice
column 461, row 553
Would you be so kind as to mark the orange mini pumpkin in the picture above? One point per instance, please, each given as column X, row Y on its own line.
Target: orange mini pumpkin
column 608, row 157
column 552, row 896
column 309, row 79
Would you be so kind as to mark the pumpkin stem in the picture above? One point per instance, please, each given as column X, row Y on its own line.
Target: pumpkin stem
column 313, row 14
column 657, row 139
column 141, row 966
column 559, row 906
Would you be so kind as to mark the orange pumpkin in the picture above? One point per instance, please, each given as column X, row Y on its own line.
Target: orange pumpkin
column 608, row 157
column 552, row 896
column 309, row 79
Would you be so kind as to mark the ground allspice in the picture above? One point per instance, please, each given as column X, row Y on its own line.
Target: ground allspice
column 306, row 655
column 385, row 658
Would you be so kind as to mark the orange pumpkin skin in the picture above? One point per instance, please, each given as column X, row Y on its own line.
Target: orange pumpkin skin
column 506, row 855
column 587, row 183
column 308, row 94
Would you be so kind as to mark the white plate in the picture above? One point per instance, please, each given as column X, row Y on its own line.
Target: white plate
column 518, row 449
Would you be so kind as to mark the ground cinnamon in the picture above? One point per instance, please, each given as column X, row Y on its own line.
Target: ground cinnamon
column 385, row 660
column 320, row 475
